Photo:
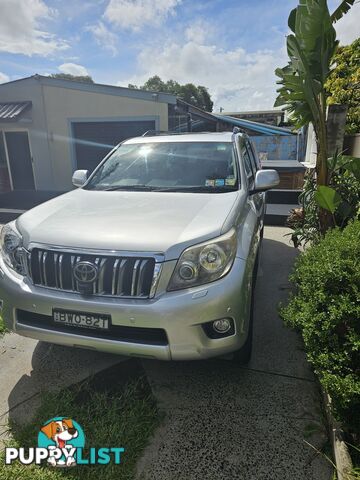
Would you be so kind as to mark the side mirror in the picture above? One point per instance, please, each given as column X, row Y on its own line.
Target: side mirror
column 79, row 177
column 265, row 180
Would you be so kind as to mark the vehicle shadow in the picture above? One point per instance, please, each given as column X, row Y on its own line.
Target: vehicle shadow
column 53, row 368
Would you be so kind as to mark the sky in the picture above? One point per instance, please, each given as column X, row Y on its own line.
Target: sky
column 230, row 46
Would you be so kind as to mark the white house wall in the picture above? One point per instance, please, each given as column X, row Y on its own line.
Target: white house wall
column 64, row 106
column 36, row 126
column 49, row 125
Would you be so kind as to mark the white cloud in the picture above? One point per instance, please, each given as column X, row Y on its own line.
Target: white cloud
column 104, row 37
column 135, row 14
column 199, row 31
column 4, row 78
column 236, row 79
column 73, row 69
column 348, row 28
column 20, row 30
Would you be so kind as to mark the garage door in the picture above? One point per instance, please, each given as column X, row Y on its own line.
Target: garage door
column 93, row 140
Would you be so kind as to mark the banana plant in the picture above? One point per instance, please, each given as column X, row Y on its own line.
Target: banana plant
column 328, row 197
column 343, row 8
column 310, row 47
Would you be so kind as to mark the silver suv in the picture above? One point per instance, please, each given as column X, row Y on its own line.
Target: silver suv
column 154, row 255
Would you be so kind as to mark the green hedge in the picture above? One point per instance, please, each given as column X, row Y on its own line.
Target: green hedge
column 326, row 308
column 2, row 326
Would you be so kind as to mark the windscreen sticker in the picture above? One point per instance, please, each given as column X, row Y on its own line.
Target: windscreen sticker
column 216, row 182
column 230, row 181
column 219, row 182
column 209, row 182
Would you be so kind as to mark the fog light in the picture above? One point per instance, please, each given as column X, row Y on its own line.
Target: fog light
column 222, row 326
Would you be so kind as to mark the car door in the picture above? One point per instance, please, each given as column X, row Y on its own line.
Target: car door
column 258, row 198
column 253, row 210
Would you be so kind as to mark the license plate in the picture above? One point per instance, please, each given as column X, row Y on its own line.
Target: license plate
column 82, row 319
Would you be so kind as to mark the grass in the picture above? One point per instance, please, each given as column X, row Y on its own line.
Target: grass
column 110, row 413
column 355, row 454
column 2, row 326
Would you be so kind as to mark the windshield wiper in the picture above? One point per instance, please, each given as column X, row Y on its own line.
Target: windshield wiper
column 152, row 188
column 199, row 188
column 130, row 187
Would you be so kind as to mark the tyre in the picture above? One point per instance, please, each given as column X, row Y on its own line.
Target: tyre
column 243, row 355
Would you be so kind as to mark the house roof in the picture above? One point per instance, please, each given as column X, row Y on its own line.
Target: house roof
column 99, row 88
column 262, row 128
column 12, row 111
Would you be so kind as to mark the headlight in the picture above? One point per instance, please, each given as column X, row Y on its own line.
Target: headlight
column 11, row 247
column 205, row 262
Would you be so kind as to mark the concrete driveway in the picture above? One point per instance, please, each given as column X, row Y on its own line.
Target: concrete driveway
column 228, row 422
column 221, row 421
column 28, row 368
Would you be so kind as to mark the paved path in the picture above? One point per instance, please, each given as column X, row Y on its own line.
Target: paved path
column 28, row 367
column 227, row 422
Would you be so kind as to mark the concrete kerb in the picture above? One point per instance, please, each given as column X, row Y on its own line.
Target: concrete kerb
column 340, row 449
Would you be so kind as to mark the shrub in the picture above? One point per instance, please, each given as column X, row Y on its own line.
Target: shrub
column 2, row 326
column 326, row 308
column 341, row 198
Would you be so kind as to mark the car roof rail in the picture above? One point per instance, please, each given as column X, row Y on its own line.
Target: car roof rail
column 154, row 133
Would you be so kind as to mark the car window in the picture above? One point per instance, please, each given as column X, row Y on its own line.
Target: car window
column 250, row 150
column 248, row 166
column 206, row 166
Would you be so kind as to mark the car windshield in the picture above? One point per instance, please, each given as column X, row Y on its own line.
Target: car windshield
column 169, row 166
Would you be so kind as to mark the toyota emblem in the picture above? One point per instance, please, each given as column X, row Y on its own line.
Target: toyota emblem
column 85, row 272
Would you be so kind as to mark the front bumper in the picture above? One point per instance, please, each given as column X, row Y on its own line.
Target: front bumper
column 181, row 314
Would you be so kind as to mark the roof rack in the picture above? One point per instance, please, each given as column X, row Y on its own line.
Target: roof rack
column 154, row 133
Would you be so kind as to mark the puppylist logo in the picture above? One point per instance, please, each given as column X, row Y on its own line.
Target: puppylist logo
column 61, row 442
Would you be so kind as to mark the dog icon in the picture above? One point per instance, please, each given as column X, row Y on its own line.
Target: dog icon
column 61, row 432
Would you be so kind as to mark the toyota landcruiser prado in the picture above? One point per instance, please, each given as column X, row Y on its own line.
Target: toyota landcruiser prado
column 154, row 255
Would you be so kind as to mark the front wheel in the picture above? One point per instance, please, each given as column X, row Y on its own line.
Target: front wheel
column 243, row 355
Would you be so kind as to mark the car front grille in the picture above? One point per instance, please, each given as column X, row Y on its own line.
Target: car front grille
column 117, row 276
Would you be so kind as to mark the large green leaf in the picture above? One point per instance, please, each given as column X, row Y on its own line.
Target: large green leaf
column 344, row 210
column 310, row 49
column 343, row 8
column 327, row 198
column 292, row 20
column 347, row 162
column 353, row 166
